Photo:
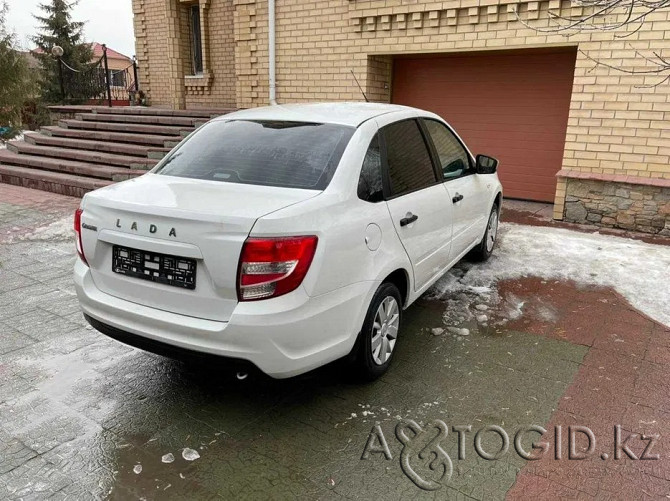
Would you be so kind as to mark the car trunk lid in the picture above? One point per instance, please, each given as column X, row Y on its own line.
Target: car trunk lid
column 205, row 222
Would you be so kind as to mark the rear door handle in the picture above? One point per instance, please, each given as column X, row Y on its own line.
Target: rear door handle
column 457, row 198
column 409, row 219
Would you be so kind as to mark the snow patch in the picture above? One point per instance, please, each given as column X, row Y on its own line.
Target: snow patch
column 458, row 331
column 3, row 145
column 61, row 230
column 546, row 312
column 190, row 454
column 168, row 458
column 637, row 270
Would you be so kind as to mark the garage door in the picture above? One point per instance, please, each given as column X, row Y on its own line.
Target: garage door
column 512, row 105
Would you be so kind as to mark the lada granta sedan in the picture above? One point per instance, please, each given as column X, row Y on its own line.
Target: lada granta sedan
column 286, row 236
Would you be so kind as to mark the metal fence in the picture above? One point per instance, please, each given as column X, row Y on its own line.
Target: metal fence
column 97, row 83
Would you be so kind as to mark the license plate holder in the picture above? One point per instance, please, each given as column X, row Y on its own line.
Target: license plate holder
column 155, row 267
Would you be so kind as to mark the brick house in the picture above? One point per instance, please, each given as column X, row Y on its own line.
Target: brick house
column 121, row 74
column 116, row 62
column 590, row 138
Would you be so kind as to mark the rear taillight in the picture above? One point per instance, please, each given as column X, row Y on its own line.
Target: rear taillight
column 270, row 267
column 77, row 230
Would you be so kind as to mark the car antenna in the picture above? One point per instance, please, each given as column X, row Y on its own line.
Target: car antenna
column 359, row 86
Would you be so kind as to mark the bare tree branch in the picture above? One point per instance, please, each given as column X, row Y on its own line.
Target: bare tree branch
column 624, row 17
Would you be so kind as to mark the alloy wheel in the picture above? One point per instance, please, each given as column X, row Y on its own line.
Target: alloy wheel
column 385, row 330
column 492, row 231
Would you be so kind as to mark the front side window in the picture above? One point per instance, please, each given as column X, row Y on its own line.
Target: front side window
column 196, row 39
column 370, row 182
column 452, row 156
column 271, row 153
column 409, row 165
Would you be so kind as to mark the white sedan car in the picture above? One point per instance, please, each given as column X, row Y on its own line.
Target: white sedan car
column 286, row 237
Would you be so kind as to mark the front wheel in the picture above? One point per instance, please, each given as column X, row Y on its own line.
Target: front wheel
column 379, row 335
column 485, row 248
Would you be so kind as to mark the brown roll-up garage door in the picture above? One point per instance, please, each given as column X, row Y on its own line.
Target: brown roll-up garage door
column 512, row 105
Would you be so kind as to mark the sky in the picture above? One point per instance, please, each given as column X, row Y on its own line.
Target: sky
column 107, row 21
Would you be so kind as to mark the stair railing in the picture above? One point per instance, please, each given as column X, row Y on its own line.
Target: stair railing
column 96, row 82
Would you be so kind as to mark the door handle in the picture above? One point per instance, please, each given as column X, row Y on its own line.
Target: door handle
column 457, row 198
column 409, row 219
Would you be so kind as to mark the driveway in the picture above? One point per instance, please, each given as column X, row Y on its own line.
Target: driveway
column 561, row 331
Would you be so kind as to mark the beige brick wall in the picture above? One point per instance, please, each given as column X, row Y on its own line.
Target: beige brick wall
column 157, row 48
column 218, row 57
column 619, row 123
column 616, row 125
column 163, row 52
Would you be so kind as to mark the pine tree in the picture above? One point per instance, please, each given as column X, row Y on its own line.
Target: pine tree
column 15, row 85
column 58, row 28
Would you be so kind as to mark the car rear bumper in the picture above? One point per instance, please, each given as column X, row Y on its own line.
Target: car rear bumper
column 283, row 337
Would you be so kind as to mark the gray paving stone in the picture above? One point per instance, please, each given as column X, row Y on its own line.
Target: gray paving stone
column 13, row 339
column 13, row 453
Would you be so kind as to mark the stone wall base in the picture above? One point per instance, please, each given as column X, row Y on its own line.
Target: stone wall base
column 618, row 205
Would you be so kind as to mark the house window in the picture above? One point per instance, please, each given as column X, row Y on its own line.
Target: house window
column 117, row 78
column 196, row 39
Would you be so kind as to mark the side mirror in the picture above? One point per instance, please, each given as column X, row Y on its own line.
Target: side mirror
column 486, row 164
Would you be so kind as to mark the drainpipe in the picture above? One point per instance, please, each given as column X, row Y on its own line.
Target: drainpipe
column 271, row 52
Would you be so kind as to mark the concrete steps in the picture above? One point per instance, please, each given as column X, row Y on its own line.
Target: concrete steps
column 139, row 119
column 65, row 184
column 120, row 137
column 126, row 127
column 94, row 146
column 68, row 166
column 130, row 162
column 85, row 144
column 142, row 111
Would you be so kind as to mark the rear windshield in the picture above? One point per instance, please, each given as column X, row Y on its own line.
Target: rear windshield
column 287, row 154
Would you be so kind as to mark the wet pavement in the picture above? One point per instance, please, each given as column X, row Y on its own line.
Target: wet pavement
column 84, row 417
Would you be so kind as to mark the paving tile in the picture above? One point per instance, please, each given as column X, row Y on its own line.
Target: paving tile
column 14, row 453
column 35, row 479
column 78, row 411
column 658, row 353
column 13, row 339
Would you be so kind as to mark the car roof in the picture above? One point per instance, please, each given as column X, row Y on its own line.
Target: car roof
column 351, row 114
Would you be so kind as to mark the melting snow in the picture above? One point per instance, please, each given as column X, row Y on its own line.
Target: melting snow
column 190, row 454
column 57, row 231
column 3, row 145
column 168, row 458
column 138, row 469
column 458, row 331
column 637, row 270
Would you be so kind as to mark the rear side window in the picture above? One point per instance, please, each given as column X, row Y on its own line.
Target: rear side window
column 271, row 153
column 451, row 154
column 409, row 165
column 370, row 183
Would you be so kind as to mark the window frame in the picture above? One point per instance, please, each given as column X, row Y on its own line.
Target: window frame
column 436, row 157
column 386, row 178
column 377, row 136
column 195, row 39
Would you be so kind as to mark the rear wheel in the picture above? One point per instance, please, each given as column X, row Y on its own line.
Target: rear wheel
column 485, row 248
column 378, row 338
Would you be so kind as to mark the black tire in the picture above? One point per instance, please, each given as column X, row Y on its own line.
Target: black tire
column 483, row 251
column 365, row 366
